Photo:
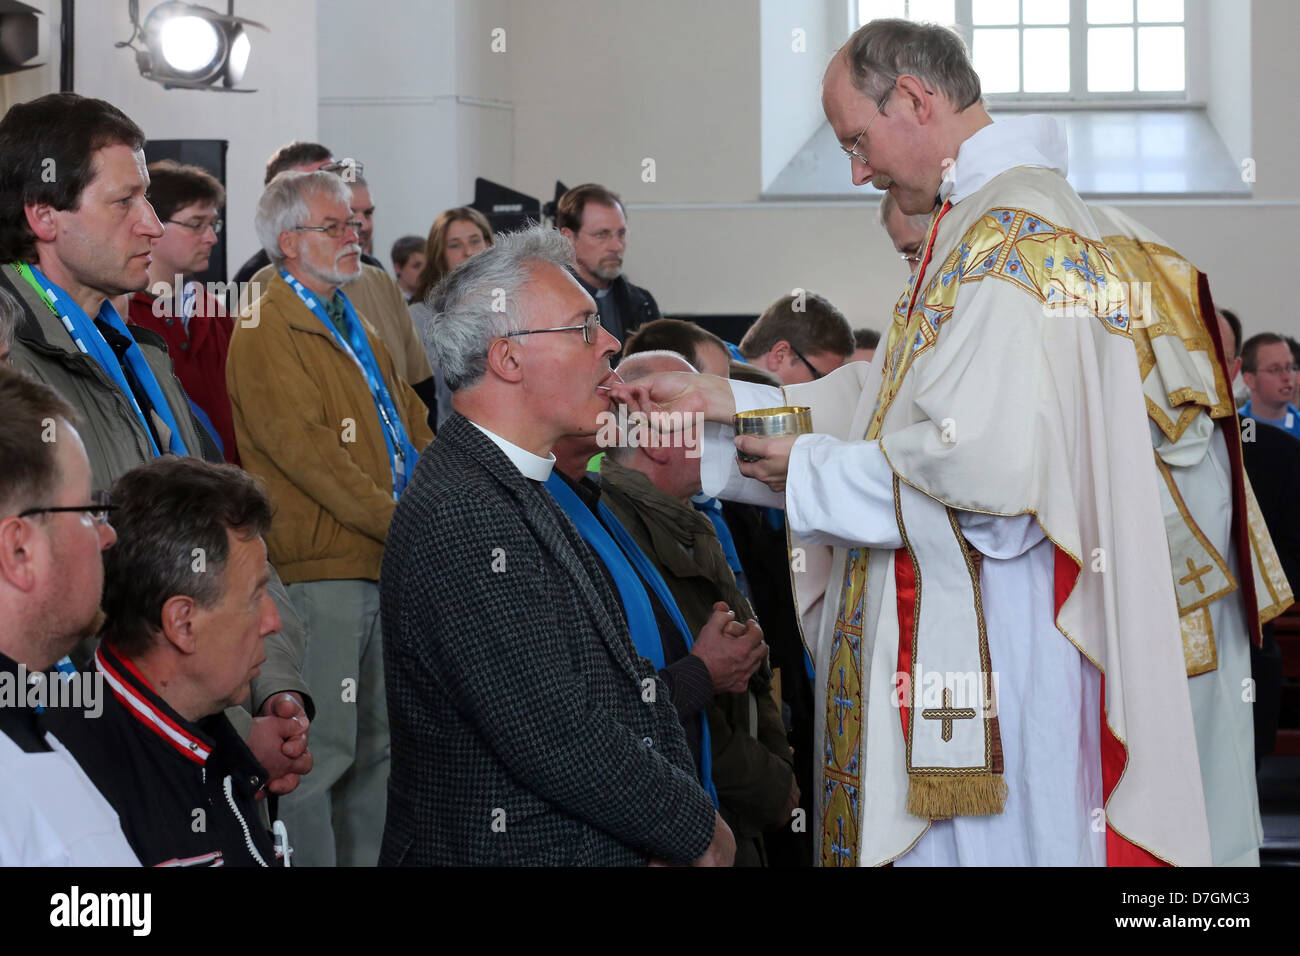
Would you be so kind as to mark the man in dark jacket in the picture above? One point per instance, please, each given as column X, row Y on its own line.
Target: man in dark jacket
column 525, row 728
column 594, row 220
column 185, row 592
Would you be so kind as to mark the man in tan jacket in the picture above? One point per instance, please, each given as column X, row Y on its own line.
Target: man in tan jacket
column 326, row 420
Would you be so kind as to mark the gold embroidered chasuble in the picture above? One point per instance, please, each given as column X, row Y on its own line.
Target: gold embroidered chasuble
column 1008, row 386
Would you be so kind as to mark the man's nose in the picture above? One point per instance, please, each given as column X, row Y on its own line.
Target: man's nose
column 608, row 344
column 862, row 172
column 151, row 225
column 270, row 616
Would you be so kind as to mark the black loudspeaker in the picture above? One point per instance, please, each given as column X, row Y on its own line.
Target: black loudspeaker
column 19, row 36
column 208, row 155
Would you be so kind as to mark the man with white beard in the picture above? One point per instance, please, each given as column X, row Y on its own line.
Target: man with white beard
column 324, row 418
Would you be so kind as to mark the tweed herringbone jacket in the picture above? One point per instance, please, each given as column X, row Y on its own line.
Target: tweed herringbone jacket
column 525, row 727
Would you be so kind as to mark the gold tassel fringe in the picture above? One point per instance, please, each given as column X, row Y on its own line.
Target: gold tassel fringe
column 940, row 797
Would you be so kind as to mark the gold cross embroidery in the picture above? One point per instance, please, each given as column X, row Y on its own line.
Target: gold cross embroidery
column 947, row 713
column 1194, row 575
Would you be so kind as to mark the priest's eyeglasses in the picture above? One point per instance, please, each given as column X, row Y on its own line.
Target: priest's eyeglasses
column 99, row 508
column 590, row 329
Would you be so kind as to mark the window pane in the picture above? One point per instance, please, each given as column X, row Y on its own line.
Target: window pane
column 875, row 9
column 1160, row 59
column 1160, row 11
column 933, row 11
column 996, row 56
column 1110, row 11
column 984, row 12
column 1047, row 11
column 1110, row 60
column 1047, row 60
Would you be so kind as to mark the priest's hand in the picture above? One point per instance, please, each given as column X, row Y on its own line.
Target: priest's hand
column 732, row 651
column 279, row 742
column 773, row 456
column 688, row 393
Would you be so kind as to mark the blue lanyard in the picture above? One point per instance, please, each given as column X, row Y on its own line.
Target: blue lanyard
column 401, row 453
column 90, row 342
column 618, row 551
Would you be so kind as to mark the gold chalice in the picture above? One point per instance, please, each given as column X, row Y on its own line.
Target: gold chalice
column 772, row 423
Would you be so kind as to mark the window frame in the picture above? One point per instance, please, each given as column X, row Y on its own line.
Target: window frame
column 1195, row 52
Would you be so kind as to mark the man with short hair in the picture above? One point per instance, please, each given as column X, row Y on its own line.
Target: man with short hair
column 649, row 489
column 526, row 729
column 182, row 641
column 363, row 211
column 325, row 419
column 704, row 350
column 71, row 244
column 51, row 577
column 799, row 338
column 907, row 233
column 865, row 342
column 1269, row 371
column 408, row 263
column 372, row 291
column 594, row 219
column 1272, row 460
column 193, row 322
column 994, row 462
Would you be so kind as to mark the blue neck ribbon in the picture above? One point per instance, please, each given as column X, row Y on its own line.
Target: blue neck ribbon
column 401, row 453
column 619, row 552
column 90, row 342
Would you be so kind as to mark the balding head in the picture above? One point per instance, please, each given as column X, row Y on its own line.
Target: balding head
column 643, row 364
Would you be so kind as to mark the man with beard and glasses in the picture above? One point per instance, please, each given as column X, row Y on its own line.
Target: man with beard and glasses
column 324, row 418
column 594, row 220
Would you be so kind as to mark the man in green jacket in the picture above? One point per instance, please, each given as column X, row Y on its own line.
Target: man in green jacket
column 649, row 489
column 75, row 231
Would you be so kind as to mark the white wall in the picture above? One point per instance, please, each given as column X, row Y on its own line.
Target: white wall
column 1229, row 99
column 792, row 68
column 598, row 85
column 413, row 89
column 281, row 68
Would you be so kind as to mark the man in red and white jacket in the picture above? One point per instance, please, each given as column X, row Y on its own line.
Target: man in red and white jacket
column 187, row 605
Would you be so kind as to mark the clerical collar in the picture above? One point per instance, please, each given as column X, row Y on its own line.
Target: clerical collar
column 1020, row 141
column 530, row 466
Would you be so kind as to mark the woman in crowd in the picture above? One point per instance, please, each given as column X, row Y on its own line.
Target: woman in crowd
column 456, row 235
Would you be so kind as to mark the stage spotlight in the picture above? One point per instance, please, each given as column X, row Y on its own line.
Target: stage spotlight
column 190, row 47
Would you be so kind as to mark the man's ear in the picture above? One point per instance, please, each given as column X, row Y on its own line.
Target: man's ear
column 1233, row 369
column 918, row 102
column 40, row 219
column 569, row 234
column 777, row 356
column 178, row 613
column 503, row 360
column 16, row 555
column 288, row 245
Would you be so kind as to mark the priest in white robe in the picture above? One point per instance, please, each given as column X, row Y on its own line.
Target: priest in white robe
column 977, row 544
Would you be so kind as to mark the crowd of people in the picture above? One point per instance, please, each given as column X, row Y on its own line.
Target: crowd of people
column 349, row 571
